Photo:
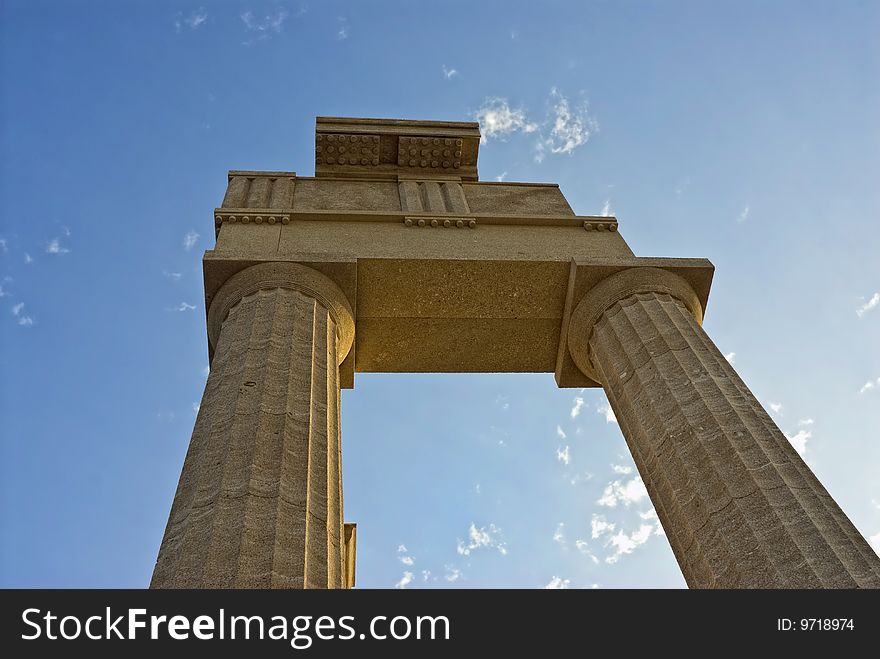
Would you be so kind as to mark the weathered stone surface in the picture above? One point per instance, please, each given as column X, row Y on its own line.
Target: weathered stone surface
column 740, row 507
column 259, row 503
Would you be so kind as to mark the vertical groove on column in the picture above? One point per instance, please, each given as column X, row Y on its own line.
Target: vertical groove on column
column 334, row 473
column 251, row 508
column 740, row 507
column 316, row 515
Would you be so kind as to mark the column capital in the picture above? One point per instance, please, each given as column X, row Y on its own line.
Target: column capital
column 612, row 290
column 291, row 276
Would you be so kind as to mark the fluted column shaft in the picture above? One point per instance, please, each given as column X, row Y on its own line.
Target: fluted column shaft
column 259, row 502
column 740, row 507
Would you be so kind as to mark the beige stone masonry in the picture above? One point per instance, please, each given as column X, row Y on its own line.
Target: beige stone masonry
column 740, row 507
column 259, row 504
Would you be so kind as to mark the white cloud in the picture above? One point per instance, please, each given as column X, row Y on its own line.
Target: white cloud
column 570, row 128
column 606, row 209
column 776, row 407
column 482, row 537
column 557, row 583
column 453, row 574
column 173, row 276
column 599, row 526
column 426, row 574
column 183, row 306
column 449, row 73
column 627, row 493
column 500, row 178
column 20, row 317
column 403, row 556
column 870, row 384
column 4, row 294
column 730, row 357
column 870, row 304
column 584, row 548
column 799, row 440
column 498, row 120
column 190, row 239
column 564, row 455
column 54, row 247
column 559, row 431
column 743, row 216
column 874, row 540
column 605, row 408
column 623, row 543
column 651, row 516
column 193, row 21
column 578, row 406
column 197, row 407
column 405, row 580
column 268, row 24
column 514, row 34
column 342, row 33
column 3, row 247
column 559, row 534
column 28, row 258
column 806, row 422
column 621, row 469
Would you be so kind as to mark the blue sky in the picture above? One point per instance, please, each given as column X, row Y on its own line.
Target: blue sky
column 744, row 132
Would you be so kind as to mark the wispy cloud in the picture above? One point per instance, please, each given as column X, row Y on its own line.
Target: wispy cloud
column 405, row 580
column 599, row 526
column 264, row 27
column 20, row 316
column 578, row 406
column 487, row 537
column 3, row 247
column 173, row 276
column 604, row 408
column 403, row 556
column 342, row 32
column 28, row 259
column 874, row 540
column 806, row 422
column 55, row 247
column 626, row 543
column 449, row 73
column 569, row 127
column 870, row 384
column 606, row 209
column 743, row 216
column 564, row 454
column 869, row 305
column 559, row 431
column 500, row 178
column 4, row 293
column 183, row 306
column 776, row 407
column 557, row 583
column 559, row 534
column 625, row 492
column 498, row 120
column 453, row 574
column 193, row 21
column 190, row 239
column 730, row 357
column 799, row 440
column 622, row 469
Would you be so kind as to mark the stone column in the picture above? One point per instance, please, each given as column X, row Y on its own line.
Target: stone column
column 738, row 504
column 259, row 503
